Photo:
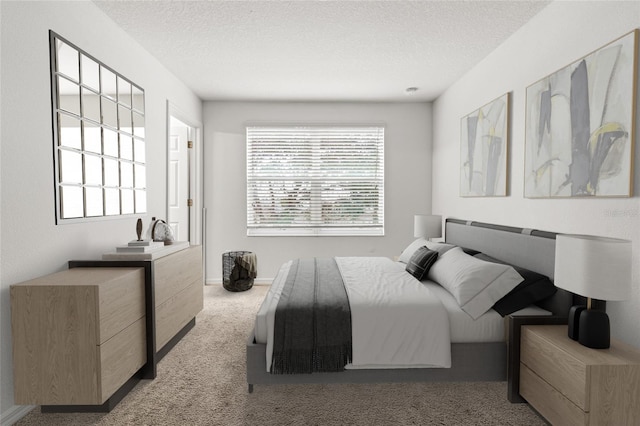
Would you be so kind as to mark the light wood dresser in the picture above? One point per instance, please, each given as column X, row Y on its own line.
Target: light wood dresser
column 83, row 338
column 178, row 290
column 78, row 335
column 570, row 384
column 174, row 295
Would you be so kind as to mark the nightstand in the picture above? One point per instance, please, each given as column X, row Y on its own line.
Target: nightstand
column 570, row 384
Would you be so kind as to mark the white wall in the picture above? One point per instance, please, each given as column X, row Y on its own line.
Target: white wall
column 407, row 179
column 32, row 244
column 560, row 34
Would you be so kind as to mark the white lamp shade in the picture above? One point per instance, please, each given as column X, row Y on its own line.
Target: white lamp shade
column 427, row 226
column 595, row 267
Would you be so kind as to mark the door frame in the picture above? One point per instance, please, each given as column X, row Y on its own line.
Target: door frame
column 196, row 174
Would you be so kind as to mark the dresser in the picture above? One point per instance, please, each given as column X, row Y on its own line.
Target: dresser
column 173, row 294
column 83, row 338
column 570, row 384
column 178, row 281
column 78, row 335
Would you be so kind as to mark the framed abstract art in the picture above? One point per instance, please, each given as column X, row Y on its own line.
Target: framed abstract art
column 579, row 126
column 484, row 141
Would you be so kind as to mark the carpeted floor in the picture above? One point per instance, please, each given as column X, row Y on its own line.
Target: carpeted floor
column 202, row 382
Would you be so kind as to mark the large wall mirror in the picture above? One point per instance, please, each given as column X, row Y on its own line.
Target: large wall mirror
column 99, row 145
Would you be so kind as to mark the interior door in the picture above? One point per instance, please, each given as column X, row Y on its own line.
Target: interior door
column 178, row 188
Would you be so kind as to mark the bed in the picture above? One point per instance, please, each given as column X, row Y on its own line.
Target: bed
column 484, row 359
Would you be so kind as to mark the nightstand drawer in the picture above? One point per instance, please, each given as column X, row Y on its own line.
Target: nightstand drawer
column 556, row 371
column 557, row 367
column 557, row 409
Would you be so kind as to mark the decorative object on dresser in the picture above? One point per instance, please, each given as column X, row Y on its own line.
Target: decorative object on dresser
column 139, row 245
column 113, row 320
column 594, row 267
column 427, row 226
column 579, row 126
column 161, row 231
column 139, row 229
column 570, row 384
column 484, row 140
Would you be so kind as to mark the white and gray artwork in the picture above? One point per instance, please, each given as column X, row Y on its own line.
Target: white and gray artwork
column 579, row 121
column 483, row 150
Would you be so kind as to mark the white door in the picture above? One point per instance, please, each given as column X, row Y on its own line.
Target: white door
column 178, row 190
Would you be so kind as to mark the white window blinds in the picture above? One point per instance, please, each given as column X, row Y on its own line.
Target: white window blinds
column 315, row 180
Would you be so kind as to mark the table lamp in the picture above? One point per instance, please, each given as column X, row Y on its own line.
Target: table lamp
column 596, row 268
column 427, row 226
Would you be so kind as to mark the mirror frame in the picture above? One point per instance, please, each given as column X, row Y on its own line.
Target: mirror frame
column 121, row 195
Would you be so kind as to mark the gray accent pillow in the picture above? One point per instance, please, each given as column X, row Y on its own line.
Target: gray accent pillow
column 441, row 248
column 421, row 261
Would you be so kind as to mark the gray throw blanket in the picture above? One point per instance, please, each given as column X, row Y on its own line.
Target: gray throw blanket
column 312, row 320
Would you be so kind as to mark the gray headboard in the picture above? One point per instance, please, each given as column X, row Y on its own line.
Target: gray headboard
column 531, row 249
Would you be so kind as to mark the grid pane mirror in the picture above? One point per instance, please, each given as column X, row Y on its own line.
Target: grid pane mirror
column 99, row 147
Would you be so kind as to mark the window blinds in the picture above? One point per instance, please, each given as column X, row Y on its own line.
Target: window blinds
column 315, row 180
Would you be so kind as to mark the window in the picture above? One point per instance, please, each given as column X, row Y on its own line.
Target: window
column 99, row 147
column 315, row 180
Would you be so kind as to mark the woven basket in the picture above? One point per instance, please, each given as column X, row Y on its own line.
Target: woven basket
column 234, row 276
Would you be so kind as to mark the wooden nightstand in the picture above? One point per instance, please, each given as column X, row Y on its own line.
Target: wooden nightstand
column 570, row 384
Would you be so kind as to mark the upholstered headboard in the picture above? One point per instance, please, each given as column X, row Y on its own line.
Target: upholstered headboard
column 527, row 248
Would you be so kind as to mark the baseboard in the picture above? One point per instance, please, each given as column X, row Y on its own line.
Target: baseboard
column 15, row 413
column 257, row 281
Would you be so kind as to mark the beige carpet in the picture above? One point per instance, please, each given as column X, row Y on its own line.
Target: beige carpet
column 202, row 382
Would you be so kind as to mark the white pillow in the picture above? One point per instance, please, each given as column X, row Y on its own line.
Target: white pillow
column 474, row 283
column 441, row 248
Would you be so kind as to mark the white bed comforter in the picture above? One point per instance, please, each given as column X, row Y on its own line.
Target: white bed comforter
column 397, row 322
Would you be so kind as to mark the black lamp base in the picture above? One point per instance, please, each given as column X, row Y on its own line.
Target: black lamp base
column 594, row 329
column 574, row 321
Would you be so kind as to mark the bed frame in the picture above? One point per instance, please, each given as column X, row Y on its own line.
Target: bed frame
column 531, row 249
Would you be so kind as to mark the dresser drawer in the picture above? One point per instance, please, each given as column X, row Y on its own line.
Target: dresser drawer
column 176, row 312
column 557, row 367
column 557, row 409
column 121, row 300
column 121, row 356
column 175, row 272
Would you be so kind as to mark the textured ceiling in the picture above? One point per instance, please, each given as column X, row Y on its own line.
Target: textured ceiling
column 320, row 50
